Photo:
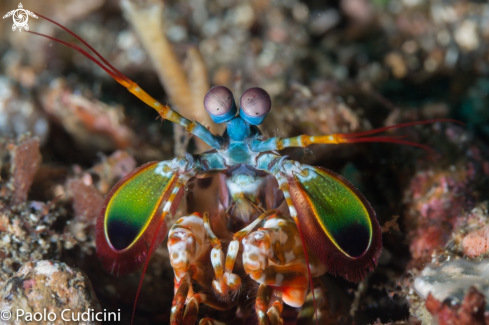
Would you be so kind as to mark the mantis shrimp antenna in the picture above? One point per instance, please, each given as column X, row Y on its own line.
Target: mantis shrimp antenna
column 163, row 110
column 109, row 68
column 277, row 143
column 360, row 136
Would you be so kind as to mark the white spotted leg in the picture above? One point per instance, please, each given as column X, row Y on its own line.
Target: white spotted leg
column 226, row 283
column 268, row 313
column 186, row 245
column 188, row 249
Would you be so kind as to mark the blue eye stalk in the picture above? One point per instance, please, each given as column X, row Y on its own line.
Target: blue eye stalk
column 255, row 104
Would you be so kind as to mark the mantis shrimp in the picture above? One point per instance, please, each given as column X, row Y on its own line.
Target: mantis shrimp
column 289, row 222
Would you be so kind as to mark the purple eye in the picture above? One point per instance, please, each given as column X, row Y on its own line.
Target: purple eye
column 255, row 104
column 219, row 103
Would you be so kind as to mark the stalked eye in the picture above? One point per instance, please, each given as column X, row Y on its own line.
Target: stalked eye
column 255, row 104
column 219, row 103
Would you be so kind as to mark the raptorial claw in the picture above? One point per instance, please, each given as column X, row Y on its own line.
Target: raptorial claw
column 179, row 299
column 191, row 312
column 274, row 312
column 274, row 256
column 185, row 243
column 268, row 314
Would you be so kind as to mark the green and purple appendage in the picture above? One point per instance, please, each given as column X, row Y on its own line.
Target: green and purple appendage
column 340, row 224
column 132, row 214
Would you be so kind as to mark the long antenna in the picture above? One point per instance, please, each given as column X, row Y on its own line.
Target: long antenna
column 73, row 46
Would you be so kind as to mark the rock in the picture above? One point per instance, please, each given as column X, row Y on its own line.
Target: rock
column 360, row 11
column 19, row 113
column 466, row 36
column 28, row 229
column 91, row 123
column 51, row 291
column 324, row 21
column 25, row 159
column 435, row 203
column 396, row 62
column 476, row 242
column 470, row 312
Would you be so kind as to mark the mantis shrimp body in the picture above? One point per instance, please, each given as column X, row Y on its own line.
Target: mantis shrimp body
column 256, row 188
column 265, row 222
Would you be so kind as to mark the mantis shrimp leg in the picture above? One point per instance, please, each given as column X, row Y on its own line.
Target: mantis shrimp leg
column 226, row 282
column 188, row 247
column 189, row 316
column 268, row 315
column 274, row 256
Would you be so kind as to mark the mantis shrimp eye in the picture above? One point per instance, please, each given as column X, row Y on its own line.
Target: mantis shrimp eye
column 255, row 104
column 219, row 103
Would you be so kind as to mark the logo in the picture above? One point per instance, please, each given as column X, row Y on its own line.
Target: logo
column 20, row 16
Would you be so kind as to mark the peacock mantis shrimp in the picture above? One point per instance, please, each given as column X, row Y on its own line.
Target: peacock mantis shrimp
column 289, row 222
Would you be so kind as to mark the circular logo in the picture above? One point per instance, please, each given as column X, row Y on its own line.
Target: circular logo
column 20, row 18
column 5, row 314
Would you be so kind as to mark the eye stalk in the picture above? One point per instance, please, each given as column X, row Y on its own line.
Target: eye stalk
column 255, row 104
column 219, row 103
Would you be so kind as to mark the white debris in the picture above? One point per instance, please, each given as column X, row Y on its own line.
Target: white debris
column 46, row 268
column 453, row 279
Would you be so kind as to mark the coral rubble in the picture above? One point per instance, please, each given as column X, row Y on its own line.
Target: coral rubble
column 48, row 288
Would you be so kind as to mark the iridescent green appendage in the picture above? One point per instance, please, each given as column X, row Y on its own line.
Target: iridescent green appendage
column 132, row 216
column 339, row 211
column 134, row 204
column 338, row 222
